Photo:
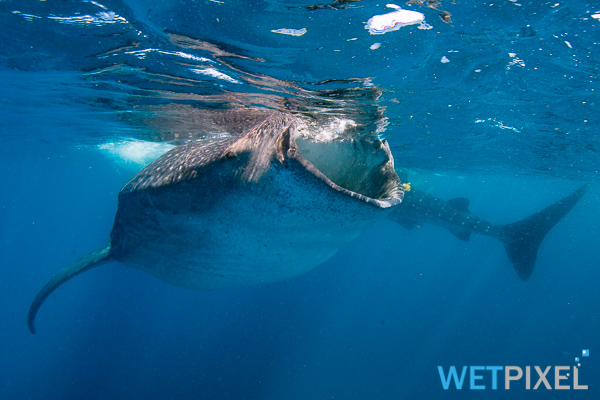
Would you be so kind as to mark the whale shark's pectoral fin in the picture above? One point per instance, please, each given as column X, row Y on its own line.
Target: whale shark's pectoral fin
column 407, row 223
column 85, row 263
column 522, row 239
column 461, row 204
column 461, row 234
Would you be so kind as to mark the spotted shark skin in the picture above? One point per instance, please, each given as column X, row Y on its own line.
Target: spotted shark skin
column 521, row 239
column 243, row 210
column 263, row 207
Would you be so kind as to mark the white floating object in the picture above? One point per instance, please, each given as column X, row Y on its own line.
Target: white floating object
column 568, row 44
column 444, row 60
column 290, row 32
column 375, row 46
column 380, row 24
column 596, row 16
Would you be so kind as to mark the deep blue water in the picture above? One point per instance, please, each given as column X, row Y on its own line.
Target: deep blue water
column 510, row 122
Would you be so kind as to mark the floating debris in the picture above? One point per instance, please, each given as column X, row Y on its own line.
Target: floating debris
column 515, row 61
column 290, row 32
column 375, row 46
column 444, row 60
column 380, row 24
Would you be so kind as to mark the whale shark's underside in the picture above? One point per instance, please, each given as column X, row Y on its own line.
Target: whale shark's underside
column 267, row 205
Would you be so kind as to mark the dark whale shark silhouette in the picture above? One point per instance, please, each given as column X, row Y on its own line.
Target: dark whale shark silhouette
column 521, row 239
column 265, row 206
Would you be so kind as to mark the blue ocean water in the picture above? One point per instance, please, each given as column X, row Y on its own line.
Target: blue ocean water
column 499, row 106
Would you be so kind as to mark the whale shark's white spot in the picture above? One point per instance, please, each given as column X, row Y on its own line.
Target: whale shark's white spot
column 380, row 24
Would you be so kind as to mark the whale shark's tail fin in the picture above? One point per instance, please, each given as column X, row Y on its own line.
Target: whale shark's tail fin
column 522, row 239
column 85, row 263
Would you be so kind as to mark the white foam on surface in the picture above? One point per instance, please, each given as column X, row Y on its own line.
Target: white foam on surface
column 515, row 61
column 323, row 132
column 137, row 152
column 101, row 18
column 493, row 122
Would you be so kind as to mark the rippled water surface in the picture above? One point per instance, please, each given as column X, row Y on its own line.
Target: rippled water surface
column 519, row 76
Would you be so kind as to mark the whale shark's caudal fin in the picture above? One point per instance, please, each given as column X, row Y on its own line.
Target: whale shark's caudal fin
column 85, row 263
column 522, row 239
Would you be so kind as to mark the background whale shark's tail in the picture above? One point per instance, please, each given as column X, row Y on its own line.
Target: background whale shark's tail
column 522, row 239
column 85, row 263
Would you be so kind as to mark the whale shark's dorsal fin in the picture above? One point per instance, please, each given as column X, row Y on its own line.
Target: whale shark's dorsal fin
column 522, row 239
column 408, row 223
column 85, row 263
column 460, row 203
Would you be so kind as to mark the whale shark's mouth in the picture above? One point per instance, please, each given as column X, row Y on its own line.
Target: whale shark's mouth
column 359, row 166
column 363, row 166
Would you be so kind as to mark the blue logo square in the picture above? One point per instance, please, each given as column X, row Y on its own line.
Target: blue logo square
column 585, row 353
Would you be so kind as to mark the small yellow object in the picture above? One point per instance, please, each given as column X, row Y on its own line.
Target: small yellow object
column 406, row 186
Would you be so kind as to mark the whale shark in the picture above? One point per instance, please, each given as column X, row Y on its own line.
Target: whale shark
column 259, row 207
column 267, row 205
column 521, row 239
